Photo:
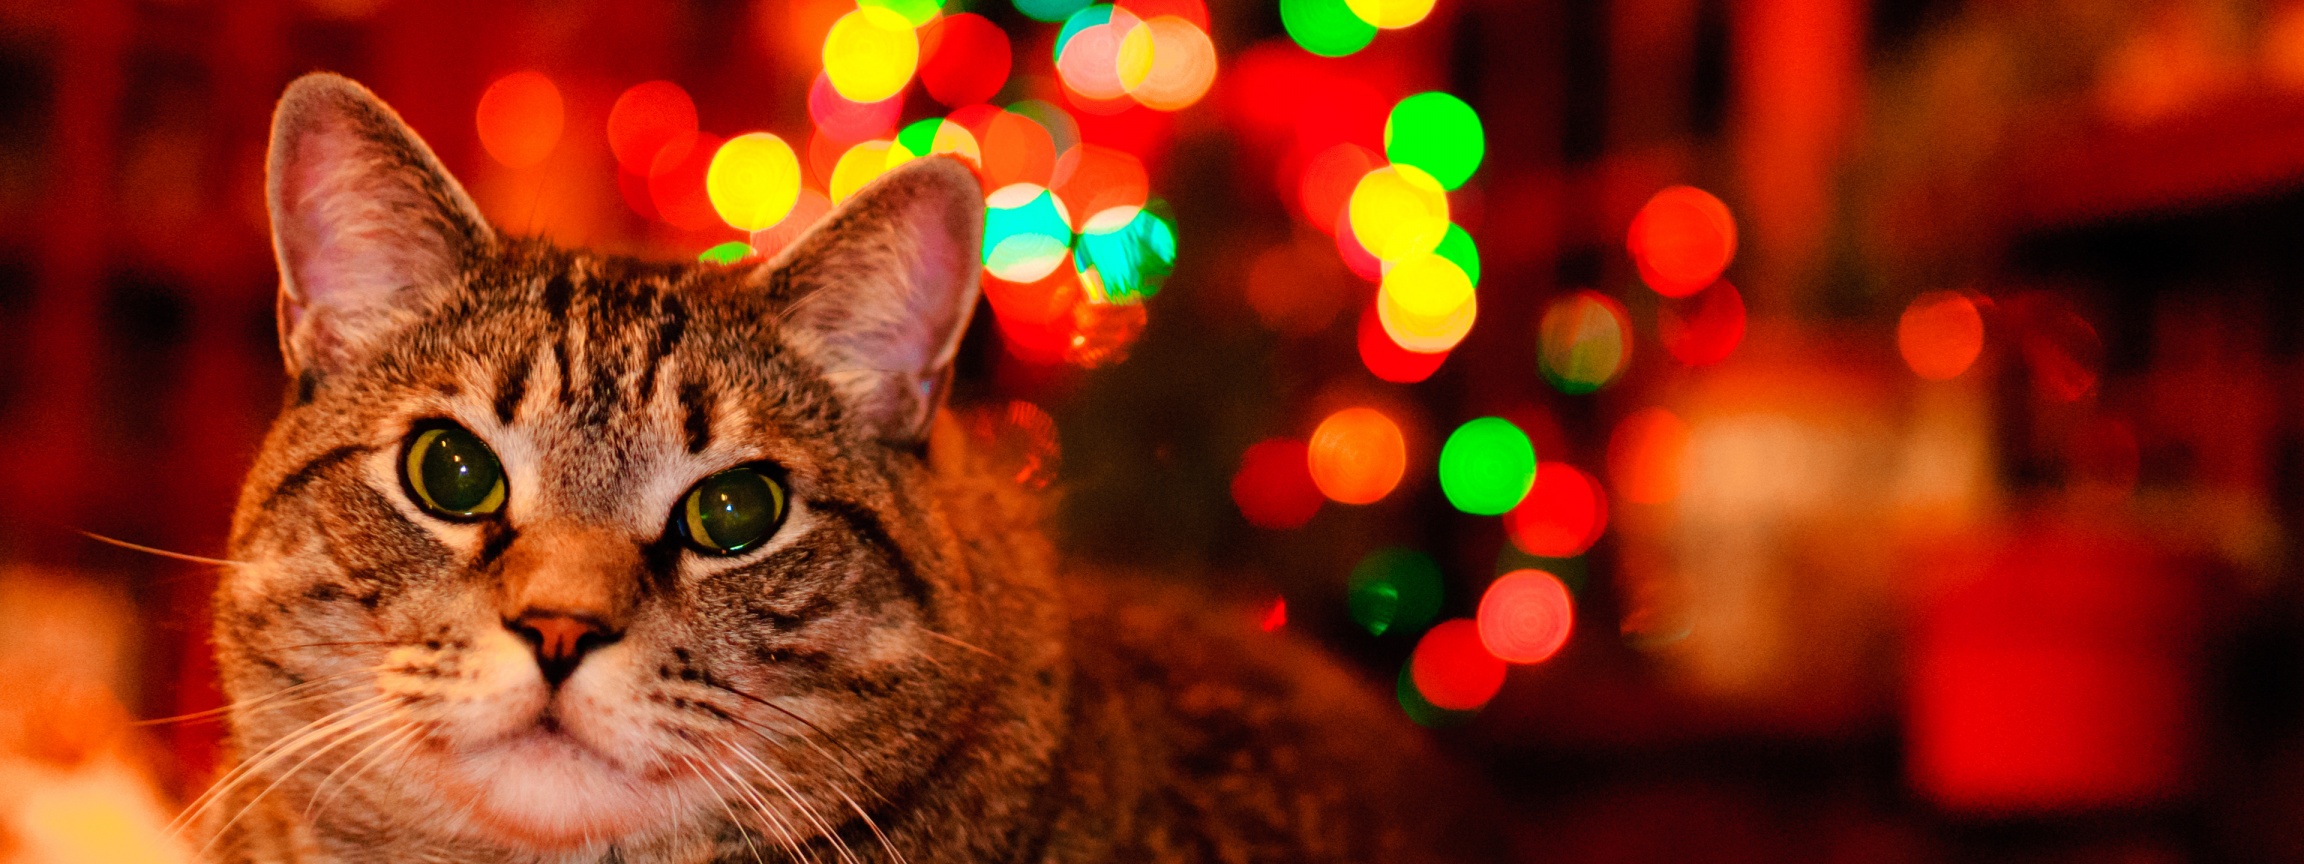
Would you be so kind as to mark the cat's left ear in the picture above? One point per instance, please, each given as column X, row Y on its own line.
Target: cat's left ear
column 880, row 293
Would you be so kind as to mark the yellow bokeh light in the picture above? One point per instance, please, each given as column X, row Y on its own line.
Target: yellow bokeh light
column 1427, row 286
column 1179, row 64
column 1135, row 57
column 951, row 138
column 1390, row 14
column 1398, row 212
column 860, row 165
column 1429, row 334
column 753, row 181
column 870, row 54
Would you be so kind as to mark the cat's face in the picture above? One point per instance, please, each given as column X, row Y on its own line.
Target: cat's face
column 550, row 549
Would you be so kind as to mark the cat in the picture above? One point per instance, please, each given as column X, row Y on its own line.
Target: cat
column 556, row 556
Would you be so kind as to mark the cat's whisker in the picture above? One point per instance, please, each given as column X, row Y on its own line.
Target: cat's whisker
column 271, row 754
column 956, row 641
column 737, row 823
column 268, row 702
column 807, row 808
column 359, row 725
column 154, row 550
column 763, row 732
column 759, row 805
column 381, row 743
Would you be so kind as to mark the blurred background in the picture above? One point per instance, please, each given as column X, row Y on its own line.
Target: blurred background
column 1746, row 430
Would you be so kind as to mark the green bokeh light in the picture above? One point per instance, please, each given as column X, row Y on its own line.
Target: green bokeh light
column 1325, row 27
column 1458, row 248
column 1438, row 133
column 1025, row 239
column 1583, row 342
column 726, row 253
column 1395, row 590
column 1053, row 11
column 1422, row 711
column 1129, row 262
column 920, row 137
column 1487, row 466
column 919, row 12
column 1091, row 16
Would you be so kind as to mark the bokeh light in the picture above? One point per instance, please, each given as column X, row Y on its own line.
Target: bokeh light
column 1273, row 488
column 1325, row 27
column 870, row 54
column 1940, row 335
column 1390, row 14
column 1563, row 515
column 1583, row 342
column 932, row 136
column 726, row 253
column 847, row 121
column 1398, row 212
column 1050, row 11
column 917, row 13
column 1385, row 358
column 1427, row 333
column 862, row 164
column 676, row 184
column 1427, row 286
column 968, row 59
column 753, row 181
column 1526, row 616
column 1017, row 149
column 520, row 119
column 810, row 208
column 1356, row 257
column 1645, row 455
column 1357, row 456
column 1102, row 332
column 1124, row 254
column 1088, row 53
column 1487, row 466
column 1036, row 318
column 1703, row 329
column 1093, row 179
column 645, row 119
column 1681, row 240
column 1026, row 233
column 1394, row 590
column 1327, row 181
column 1179, row 67
column 1193, row 11
column 1437, row 133
column 1458, row 248
column 1453, row 669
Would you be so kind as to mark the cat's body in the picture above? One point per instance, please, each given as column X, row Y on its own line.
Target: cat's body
column 900, row 669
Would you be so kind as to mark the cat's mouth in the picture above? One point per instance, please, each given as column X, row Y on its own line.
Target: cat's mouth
column 547, row 786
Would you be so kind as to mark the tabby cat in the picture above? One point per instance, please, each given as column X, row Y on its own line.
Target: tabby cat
column 556, row 556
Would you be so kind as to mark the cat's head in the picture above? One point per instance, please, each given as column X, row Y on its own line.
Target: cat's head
column 551, row 548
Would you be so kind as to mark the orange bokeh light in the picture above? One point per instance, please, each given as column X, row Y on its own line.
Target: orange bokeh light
column 520, row 119
column 1092, row 179
column 1452, row 669
column 1017, row 150
column 1681, row 240
column 1562, row 516
column 1645, row 455
column 1327, row 181
column 1357, row 456
column 1525, row 617
column 647, row 118
column 1940, row 335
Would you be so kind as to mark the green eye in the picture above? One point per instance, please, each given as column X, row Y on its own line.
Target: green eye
column 452, row 474
column 731, row 511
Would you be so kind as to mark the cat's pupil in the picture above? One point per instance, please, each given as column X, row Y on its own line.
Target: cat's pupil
column 452, row 472
column 733, row 510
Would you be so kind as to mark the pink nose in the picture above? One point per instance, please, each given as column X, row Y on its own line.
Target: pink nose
column 560, row 641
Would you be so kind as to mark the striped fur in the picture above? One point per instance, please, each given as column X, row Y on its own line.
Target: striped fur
column 899, row 674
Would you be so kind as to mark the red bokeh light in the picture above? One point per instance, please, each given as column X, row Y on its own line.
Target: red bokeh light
column 1016, row 150
column 647, row 118
column 849, row 122
column 1325, row 184
column 1194, row 11
column 1276, row 616
column 965, row 59
column 1525, row 617
column 1357, row 456
column 676, row 185
column 1645, row 454
column 1386, row 359
column 1357, row 258
column 1704, row 329
column 1274, row 487
column 1562, row 516
column 1681, row 240
column 1129, row 127
column 1035, row 317
column 520, row 119
column 1940, row 334
column 1452, row 669
column 1091, row 179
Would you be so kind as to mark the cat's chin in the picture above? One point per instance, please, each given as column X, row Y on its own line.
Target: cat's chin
column 544, row 789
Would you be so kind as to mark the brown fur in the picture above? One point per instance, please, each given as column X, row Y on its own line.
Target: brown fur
column 903, row 673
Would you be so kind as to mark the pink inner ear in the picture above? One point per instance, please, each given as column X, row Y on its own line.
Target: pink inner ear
column 351, row 237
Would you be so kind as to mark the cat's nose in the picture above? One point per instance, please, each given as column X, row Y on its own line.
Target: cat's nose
column 560, row 640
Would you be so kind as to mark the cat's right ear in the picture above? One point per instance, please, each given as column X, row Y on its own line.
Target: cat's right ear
column 366, row 224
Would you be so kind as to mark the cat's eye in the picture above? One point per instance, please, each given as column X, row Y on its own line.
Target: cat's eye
column 452, row 474
column 731, row 511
